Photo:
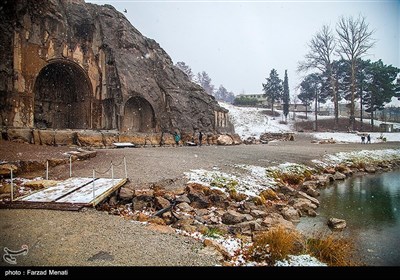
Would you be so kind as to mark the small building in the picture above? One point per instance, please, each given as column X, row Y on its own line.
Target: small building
column 260, row 97
column 386, row 127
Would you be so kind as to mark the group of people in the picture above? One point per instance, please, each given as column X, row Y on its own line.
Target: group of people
column 177, row 138
column 363, row 139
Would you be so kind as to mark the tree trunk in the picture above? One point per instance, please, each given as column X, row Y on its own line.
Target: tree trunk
column 335, row 104
column 352, row 88
column 316, row 111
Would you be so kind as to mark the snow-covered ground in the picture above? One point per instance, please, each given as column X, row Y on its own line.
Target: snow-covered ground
column 251, row 122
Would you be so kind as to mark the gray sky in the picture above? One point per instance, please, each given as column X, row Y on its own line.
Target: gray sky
column 238, row 42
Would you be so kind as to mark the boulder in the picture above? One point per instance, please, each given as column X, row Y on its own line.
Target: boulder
column 287, row 190
column 5, row 169
column 310, row 188
column 161, row 203
column 370, row 169
column 40, row 184
column 258, row 213
column 336, row 224
column 236, row 139
column 185, row 207
column 183, row 198
column 126, row 193
column 301, row 194
column 290, row 213
column 304, row 205
column 246, row 228
column 224, row 140
column 232, row 217
column 215, row 245
column 196, row 196
column 275, row 220
column 339, row 176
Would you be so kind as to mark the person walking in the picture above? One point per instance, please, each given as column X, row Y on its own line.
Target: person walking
column 362, row 139
column 200, row 138
column 177, row 138
column 369, row 138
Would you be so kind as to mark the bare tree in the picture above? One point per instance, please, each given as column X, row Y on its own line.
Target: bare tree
column 354, row 41
column 322, row 47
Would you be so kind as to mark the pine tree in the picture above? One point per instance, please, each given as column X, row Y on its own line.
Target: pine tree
column 381, row 86
column 286, row 96
column 273, row 89
column 185, row 69
column 205, row 81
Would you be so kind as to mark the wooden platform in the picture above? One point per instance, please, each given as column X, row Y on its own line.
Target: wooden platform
column 71, row 194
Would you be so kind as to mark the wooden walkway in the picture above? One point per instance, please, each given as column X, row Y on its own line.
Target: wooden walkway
column 71, row 194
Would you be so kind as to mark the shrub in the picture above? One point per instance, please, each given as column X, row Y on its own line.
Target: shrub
column 275, row 244
column 214, row 232
column 333, row 250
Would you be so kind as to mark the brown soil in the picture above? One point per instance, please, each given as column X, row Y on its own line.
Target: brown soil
column 327, row 125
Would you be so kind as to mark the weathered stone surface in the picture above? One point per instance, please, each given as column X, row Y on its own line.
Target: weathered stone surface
column 57, row 161
column 5, row 169
column 126, row 193
column 224, row 140
column 40, row 184
column 336, row 224
column 185, row 207
column 89, row 138
column 309, row 187
column 246, row 228
column 213, row 244
column 305, row 206
column 197, row 197
column 161, row 202
column 64, row 138
column 306, row 196
column 47, row 137
column 183, row 198
column 75, row 65
column 370, row 169
column 275, row 220
column 339, row 176
column 31, row 165
column 258, row 213
column 287, row 190
column 290, row 214
column 232, row 217
column 22, row 135
column 236, row 139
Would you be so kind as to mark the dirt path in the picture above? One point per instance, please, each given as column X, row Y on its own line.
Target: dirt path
column 95, row 238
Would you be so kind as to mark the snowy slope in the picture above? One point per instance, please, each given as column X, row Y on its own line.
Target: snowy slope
column 251, row 122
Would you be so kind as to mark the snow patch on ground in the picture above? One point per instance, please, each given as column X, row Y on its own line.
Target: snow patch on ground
column 361, row 156
column 376, row 137
column 300, row 260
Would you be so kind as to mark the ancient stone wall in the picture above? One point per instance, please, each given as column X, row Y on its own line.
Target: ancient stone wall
column 73, row 65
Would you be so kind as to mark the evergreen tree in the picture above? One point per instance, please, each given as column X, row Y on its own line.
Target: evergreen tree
column 273, row 88
column 221, row 94
column 286, row 96
column 205, row 81
column 380, row 87
column 185, row 69
column 310, row 89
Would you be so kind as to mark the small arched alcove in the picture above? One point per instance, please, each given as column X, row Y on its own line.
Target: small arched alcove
column 138, row 115
column 62, row 97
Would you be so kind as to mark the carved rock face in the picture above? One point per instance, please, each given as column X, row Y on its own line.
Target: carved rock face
column 72, row 65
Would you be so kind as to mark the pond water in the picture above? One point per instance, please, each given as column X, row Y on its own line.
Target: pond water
column 370, row 204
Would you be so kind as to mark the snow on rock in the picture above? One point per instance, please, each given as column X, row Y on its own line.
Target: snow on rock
column 300, row 260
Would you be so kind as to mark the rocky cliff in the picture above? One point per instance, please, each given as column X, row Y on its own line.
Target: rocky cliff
column 67, row 64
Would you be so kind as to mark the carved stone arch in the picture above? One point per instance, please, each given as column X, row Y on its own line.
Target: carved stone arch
column 62, row 96
column 138, row 115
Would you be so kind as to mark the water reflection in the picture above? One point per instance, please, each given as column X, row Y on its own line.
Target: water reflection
column 370, row 204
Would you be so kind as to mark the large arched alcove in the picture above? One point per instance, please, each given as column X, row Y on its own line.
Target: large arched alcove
column 138, row 115
column 62, row 97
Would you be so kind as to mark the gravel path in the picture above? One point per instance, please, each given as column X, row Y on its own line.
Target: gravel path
column 94, row 238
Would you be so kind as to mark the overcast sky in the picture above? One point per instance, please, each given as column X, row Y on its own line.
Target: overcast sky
column 238, row 42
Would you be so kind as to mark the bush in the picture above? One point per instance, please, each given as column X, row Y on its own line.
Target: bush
column 275, row 244
column 334, row 251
